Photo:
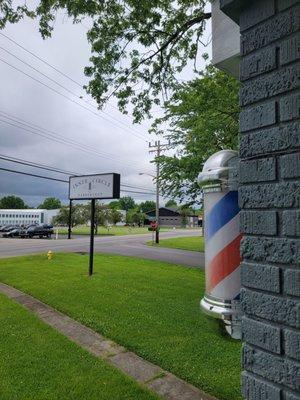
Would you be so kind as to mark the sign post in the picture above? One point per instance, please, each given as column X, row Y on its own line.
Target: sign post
column 70, row 220
column 92, row 187
column 91, row 263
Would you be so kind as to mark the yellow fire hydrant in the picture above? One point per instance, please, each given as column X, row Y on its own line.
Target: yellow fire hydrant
column 49, row 255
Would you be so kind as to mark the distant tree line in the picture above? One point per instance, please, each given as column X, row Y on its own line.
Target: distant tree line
column 106, row 214
column 15, row 202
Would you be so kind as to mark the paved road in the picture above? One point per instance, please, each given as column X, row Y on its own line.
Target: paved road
column 130, row 245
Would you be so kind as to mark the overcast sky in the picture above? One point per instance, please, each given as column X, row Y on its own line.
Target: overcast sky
column 121, row 147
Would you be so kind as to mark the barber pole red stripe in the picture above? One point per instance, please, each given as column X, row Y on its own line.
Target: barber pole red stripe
column 223, row 264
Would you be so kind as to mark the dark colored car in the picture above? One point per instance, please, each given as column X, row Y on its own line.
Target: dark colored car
column 8, row 228
column 12, row 233
column 38, row 230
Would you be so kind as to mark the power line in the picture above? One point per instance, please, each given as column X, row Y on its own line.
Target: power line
column 53, row 169
column 61, row 180
column 61, row 141
column 132, row 191
column 71, row 92
column 41, row 59
column 34, row 175
column 68, row 98
column 39, row 72
column 35, row 165
column 49, row 65
column 50, row 135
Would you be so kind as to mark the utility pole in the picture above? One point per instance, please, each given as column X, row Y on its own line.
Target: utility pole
column 157, row 148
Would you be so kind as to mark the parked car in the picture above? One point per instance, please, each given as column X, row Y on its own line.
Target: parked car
column 38, row 230
column 7, row 228
column 12, row 233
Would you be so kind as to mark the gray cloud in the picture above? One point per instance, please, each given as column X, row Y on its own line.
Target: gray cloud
column 119, row 149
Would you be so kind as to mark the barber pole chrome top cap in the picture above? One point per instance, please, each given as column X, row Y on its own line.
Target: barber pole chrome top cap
column 217, row 168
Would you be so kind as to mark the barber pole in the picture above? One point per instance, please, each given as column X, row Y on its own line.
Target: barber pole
column 222, row 240
column 222, row 245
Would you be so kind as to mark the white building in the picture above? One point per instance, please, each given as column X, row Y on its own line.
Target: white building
column 26, row 216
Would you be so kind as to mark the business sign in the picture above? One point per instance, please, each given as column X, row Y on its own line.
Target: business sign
column 99, row 186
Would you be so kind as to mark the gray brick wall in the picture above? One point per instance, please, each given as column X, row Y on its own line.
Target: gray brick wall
column 269, row 196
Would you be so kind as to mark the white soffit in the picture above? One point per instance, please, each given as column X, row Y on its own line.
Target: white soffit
column 225, row 41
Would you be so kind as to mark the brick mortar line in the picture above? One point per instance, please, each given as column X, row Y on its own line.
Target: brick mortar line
column 162, row 382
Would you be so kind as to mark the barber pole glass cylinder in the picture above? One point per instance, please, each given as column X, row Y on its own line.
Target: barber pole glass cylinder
column 222, row 245
column 222, row 242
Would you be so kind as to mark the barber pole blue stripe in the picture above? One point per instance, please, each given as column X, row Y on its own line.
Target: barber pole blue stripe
column 222, row 238
column 221, row 213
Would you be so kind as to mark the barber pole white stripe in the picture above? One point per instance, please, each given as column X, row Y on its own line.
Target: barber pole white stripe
column 210, row 199
column 230, row 284
column 221, row 239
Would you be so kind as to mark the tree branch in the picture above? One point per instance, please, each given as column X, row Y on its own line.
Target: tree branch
column 179, row 32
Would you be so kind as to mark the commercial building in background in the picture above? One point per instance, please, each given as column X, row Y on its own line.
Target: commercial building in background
column 170, row 217
column 26, row 216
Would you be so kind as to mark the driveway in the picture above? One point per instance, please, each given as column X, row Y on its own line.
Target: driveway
column 130, row 245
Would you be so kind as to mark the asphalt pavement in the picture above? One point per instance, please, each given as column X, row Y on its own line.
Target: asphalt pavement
column 129, row 245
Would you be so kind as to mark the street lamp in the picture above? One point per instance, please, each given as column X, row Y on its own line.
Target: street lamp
column 156, row 203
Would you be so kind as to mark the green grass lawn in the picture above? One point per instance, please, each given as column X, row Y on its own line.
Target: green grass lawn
column 193, row 243
column 38, row 363
column 114, row 230
column 147, row 306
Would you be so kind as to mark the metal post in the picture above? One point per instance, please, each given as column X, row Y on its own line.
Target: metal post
column 157, row 195
column 92, row 237
column 70, row 220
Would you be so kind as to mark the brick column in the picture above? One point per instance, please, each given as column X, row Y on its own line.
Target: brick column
column 269, row 195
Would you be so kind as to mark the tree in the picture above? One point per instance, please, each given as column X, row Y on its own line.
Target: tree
column 147, row 206
column 184, row 212
column 127, row 203
column 101, row 211
column 114, row 216
column 138, row 46
column 171, row 204
column 115, row 204
column 134, row 216
column 62, row 218
column 50, row 203
column 202, row 118
column 101, row 217
column 78, row 216
column 12, row 202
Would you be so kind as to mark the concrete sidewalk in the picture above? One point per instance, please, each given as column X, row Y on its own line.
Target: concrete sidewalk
column 165, row 384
